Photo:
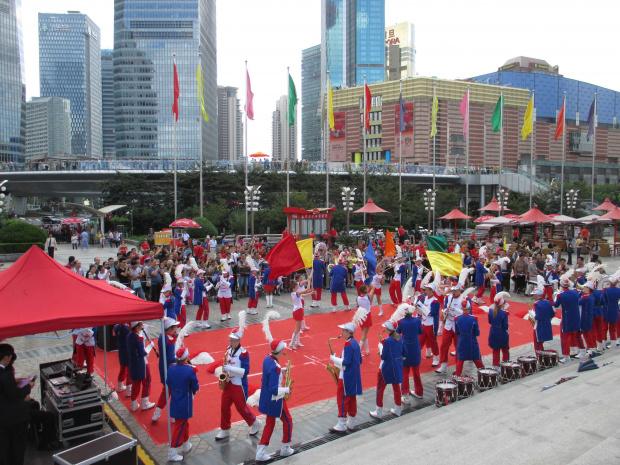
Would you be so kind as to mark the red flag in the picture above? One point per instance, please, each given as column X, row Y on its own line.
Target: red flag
column 559, row 129
column 249, row 99
column 367, row 102
column 284, row 258
column 175, row 103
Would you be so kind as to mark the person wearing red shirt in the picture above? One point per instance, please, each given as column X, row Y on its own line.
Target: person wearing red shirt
column 198, row 251
column 145, row 246
column 334, row 233
column 285, row 233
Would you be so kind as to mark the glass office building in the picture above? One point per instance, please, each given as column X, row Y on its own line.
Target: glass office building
column 107, row 103
column 12, row 84
column 311, row 103
column 146, row 36
column 70, row 67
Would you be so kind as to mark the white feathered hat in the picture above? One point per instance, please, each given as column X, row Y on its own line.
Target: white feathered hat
column 500, row 298
column 237, row 333
column 275, row 345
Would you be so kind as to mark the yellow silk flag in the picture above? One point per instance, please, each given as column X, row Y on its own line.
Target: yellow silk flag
column 505, row 245
column 528, row 120
column 390, row 248
column 305, row 250
column 435, row 109
column 201, row 97
column 448, row 264
column 330, row 105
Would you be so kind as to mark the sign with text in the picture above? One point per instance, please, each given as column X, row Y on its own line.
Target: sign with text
column 162, row 238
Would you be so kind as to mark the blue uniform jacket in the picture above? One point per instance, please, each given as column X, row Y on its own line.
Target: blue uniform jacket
column 481, row 272
column 183, row 384
column 252, row 287
column 170, row 355
column 586, row 304
column 169, row 307
column 466, row 328
column 498, row 333
column 199, row 288
column 318, row 269
column 135, row 356
column 612, row 294
column 580, row 280
column 402, row 269
column 266, row 279
column 569, row 300
column 339, row 279
column 177, row 301
column 269, row 387
column 414, row 275
column 499, row 277
column 351, row 366
column 121, row 331
column 600, row 304
column 410, row 330
column 392, row 356
column 544, row 312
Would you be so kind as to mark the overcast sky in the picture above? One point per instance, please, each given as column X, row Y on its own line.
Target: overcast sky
column 454, row 39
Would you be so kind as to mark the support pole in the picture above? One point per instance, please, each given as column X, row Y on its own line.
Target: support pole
column 563, row 154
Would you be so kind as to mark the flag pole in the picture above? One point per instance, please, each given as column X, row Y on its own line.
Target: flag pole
column 364, row 138
column 594, row 145
column 432, row 109
column 245, row 165
column 467, row 160
column 532, row 151
column 563, row 153
column 288, row 129
column 200, row 117
column 400, row 162
column 326, row 136
column 501, row 135
column 174, row 61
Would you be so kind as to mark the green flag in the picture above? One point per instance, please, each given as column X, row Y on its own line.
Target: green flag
column 292, row 101
column 497, row 119
column 436, row 243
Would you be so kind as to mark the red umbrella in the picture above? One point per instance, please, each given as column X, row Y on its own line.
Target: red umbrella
column 483, row 218
column 455, row 215
column 259, row 155
column 613, row 215
column 493, row 206
column 536, row 216
column 185, row 223
column 512, row 216
column 370, row 208
column 605, row 206
column 71, row 221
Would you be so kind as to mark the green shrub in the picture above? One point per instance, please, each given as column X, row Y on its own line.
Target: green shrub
column 22, row 233
column 206, row 229
column 18, row 247
column 347, row 241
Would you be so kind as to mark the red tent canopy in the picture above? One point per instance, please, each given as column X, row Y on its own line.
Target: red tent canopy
column 185, row 223
column 455, row 215
column 483, row 218
column 259, row 155
column 371, row 208
column 536, row 216
column 605, row 206
column 72, row 220
column 614, row 214
column 493, row 206
column 39, row 295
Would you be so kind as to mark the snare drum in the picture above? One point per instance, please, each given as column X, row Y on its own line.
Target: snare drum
column 529, row 363
column 547, row 358
column 446, row 392
column 510, row 371
column 465, row 385
column 487, row 378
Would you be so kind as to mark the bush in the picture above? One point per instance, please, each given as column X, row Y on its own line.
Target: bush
column 18, row 247
column 206, row 229
column 19, row 232
column 346, row 241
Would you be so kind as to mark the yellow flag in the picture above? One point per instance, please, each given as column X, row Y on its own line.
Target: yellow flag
column 505, row 245
column 330, row 105
column 305, row 250
column 528, row 120
column 200, row 87
column 434, row 116
column 448, row 264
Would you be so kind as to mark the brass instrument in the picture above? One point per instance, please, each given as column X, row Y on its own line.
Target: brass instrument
column 287, row 378
column 380, row 340
column 579, row 286
column 334, row 371
column 398, row 261
column 223, row 375
column 532, row 320
column 488, row 265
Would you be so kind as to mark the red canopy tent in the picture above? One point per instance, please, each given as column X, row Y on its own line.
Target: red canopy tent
column 613, row 215
column 536, row 216
column 483, row 218
column 605, row 206
column 72, row 221
column 370, row 208
column 455, row 215
column 185, row 223
column 259, row 155
column 493, row 206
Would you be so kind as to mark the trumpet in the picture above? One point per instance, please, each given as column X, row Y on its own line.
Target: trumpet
column 287, row 378
column 529, row 304
column 334, row 371
column 398, row 261
column 488, row 265
column 380, row 340
column 223, row 375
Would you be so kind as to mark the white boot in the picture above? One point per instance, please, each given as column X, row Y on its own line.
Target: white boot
column 333, row 308
column 261, row 454
column 405, row 399
column 600, row 346
column 377, row 413
column 187, row 446
column 135, row 405
column 565, row 359
column 271, row 301
column 147, row 404
column 157, row 414
column 347, row 308
column 120, row 387
column 341, row 427
column 286, row 450
column 255, row 427
column 128, row 391
column 435, row 361
column 299, row 344
column 397, row 410
column 351, row 422
column 173, row 456
column 367, row 347
column 617, row 343
column 443, row 368
column 223, row 434
column 293, row 341
column 582, row 353
column 206, row 324
column 428, row 353
column 380, row 309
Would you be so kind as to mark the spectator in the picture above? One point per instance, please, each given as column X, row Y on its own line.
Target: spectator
column 84, row 236
column 51, row 245
column 74, row 240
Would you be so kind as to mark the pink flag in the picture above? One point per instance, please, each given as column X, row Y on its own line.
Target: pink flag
column 249, row 106
column 464, row 112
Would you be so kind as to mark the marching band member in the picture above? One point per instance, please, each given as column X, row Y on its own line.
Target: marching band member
column 377, row 280
column 121, row 331
column 200, row 298
column 428, row 306
column 363, row 301
column 453, row 309
column 481, row 273
column 467, row 330
column 268, row 284
column 302, row 287
column 543, row 313
column 180, row 292
column 395, row 289
column 568, row 299
column 410, row 329
column 254, row 285
column 390, row 371
column 338, row 285
column 496, row 279
column 237, row 368
column 170, row 333
column 550, row 277
column 139, row 371
column 318, row 268
column 417, row 272
column 499, row 339
column 85, row 345
column 612, row 294
column 166, row 298
column 359, row 273
column 599, row 311
column 298, row 311
column 224, row 292
column 581, row 276
column 586, row 305
column 183, row 384
column 349, row 380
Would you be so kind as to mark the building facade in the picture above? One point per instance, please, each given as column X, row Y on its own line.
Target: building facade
column 12, row 84
column 146, row 37
column 230, row 124
column 70, row 68
column 311, row 104
column 399, row 51
column 48, row 127
column 284, row 140
column 107, row 103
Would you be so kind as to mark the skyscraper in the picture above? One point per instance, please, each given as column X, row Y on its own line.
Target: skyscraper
column 48, row 127
column 70, row 67
column 146, row 35
column 230, row 124
column 399, row 51
column 107, row 103
column 284, row 141
column 12, row 84
column 311, row 103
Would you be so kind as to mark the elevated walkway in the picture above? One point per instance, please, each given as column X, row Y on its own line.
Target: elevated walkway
column 515, row 180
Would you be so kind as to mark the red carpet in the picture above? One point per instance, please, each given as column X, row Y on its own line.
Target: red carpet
column 312, row 382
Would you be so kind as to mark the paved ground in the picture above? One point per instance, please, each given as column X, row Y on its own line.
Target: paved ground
column 311, row 423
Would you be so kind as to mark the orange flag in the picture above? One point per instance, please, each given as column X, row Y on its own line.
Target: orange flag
column 390, row 248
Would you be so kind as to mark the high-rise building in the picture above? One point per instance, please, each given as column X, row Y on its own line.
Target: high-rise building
column 399, row 51
column 48, row 127
column 12, row 84
column 107, row 103
column 70, row 67
column 284, row 141
column 146, row 36
column 230, row 124
column 311, row 103
column 352, row 41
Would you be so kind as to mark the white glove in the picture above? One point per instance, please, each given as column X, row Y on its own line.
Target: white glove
column 424, row 309
column 337, row 361
column 235, row 371
column 380, row 348
column 152, row 344
column 440, row 330
column 282, row 391
column 208, row 286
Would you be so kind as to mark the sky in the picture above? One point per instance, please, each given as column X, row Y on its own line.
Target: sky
column 453, row 39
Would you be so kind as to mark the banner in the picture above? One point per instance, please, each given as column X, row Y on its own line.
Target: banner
column 338, row 138
column 406, row 135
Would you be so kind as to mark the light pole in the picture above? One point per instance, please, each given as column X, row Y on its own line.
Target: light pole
column 130, row 212
column 571, row 200
column 429, row 204
column 252, row 196
column 348, row 195
column 2, row 193
column 502, row 199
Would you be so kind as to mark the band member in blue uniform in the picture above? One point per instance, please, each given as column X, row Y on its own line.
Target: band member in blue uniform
column 121, row 331
column 467, row 348
column 318, row 269
column 542, row 314
column 568, row 300
column 410, row 329
column 499, row 338
column 139, row 371
column 612, row 295
column 338, row 285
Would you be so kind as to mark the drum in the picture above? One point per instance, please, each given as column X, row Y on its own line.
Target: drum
column 547, row 358
column 529, row 363
column 465, row 385
column 487, row 378
column 446, row 392
column 510, row 371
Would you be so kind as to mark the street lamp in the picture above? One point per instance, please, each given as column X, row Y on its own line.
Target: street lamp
column 251, row 200
column 348, row 196
column 429, row 204
column 130, row 212
column 2, row 193
column 502, row 199
column 571, row 200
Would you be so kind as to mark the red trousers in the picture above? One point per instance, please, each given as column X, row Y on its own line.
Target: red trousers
column 180, row 432
column 548, row 294
column 225, row 304
column 182, row 317
column 428, row 338
column 505, row 355
column 568, row 340
column 345, row 300
column 480, row 292
column 459, row 366
column 418, row 283
column 85, row 353
column 538, row 345
column 417, row 381
column 317, row 293
column 145, row 384
column 123, row 374
column 253, row 303
column 598, row 328
column 270, row 423
column 589, row 339
column 395, row 292
column 358, row 284
column 203, row 310
column 161, row 402
column 612, row 330
column 493, row 293
column 233, row 394
column 347, row 405
column 448, row 337
column 381, row 389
